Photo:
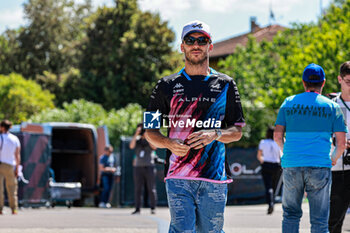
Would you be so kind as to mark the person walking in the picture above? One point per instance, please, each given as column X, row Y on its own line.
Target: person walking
column 202, row 110
column 340, row 191
column 10, row 160
column 309, row 120
column 144, row 169
column 269, row 155
column 107, row 168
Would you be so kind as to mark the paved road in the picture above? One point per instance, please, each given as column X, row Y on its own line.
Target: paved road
column 238, row 219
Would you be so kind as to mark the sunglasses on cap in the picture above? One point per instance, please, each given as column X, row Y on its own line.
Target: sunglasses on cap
column 190, row 40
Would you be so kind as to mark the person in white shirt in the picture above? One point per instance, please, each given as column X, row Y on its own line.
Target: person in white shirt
column 9, row 163
column 269, row 155
column 340, row 192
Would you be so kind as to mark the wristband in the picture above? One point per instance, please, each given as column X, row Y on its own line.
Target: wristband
column 218, row 133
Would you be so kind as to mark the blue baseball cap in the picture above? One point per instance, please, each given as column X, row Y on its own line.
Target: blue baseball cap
column 314, row 69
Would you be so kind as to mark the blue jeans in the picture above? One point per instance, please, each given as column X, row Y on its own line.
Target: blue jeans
column 107, row 182
column 196, row 206
column 316, row 182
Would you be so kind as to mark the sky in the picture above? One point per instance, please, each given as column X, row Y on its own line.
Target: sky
column 226, row 18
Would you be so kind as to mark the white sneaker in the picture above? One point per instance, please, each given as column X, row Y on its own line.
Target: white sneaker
column 102, row 205
column 108, row 205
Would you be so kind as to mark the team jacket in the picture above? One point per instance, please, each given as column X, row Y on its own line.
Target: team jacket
column 192, row 103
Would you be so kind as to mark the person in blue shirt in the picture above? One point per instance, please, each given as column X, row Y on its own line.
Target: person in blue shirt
column 309, row 120
column 107, row 168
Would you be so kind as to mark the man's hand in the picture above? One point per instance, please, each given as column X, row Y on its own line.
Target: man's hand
column 16, row 171
column 278, row 135
column 111, row 169
column 260, row 157
column 340, row 146
column 334, row 161
column 178, row 147
column 200, row 139
column 138, row 130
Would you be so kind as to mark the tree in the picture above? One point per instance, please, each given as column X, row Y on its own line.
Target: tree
column 78, row 111
column 66, row 87
column 52, row 38
column 9, row 46
column 119, row 122
column 268, row 72
column 123, row 122
column 125, row 52
column 49, row 47
column 21, row 98
column 113, row 56
column 254, row 68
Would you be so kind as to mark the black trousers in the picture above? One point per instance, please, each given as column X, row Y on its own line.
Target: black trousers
column 340, row 200
column 142, row 176
column 271, row 173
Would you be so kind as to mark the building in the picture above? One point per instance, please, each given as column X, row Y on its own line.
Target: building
column 227, row 47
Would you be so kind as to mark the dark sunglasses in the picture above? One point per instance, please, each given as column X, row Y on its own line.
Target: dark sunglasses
column 189, row 40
